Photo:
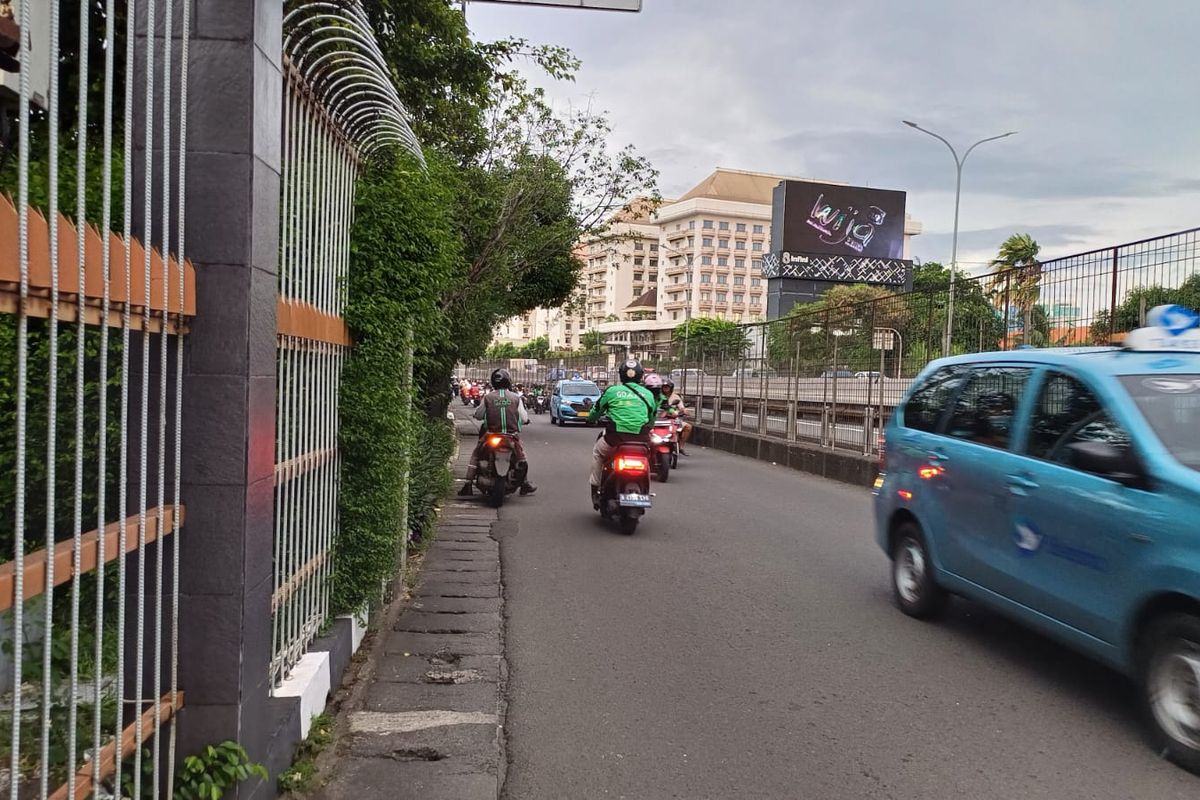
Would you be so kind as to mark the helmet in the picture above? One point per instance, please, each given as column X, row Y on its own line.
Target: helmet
column 631, row 371
column 668, row 385
column 653, row 382
column 501, row 379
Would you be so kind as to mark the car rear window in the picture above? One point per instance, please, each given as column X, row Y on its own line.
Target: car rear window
column 924, row 408
column 581, row 389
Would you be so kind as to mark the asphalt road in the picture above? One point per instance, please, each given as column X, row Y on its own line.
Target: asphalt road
column 744, row 644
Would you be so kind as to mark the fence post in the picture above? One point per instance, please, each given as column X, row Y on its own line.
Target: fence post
column 232, row 229
column 1112, row 303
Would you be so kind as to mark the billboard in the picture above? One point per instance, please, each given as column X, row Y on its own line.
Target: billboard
column 848, row 221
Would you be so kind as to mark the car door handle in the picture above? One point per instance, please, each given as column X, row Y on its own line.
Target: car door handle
column 1020, row 485
column 935, row 456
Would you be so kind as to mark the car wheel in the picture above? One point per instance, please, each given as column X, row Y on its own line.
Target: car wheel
column 913, row 584
column 1170, row 685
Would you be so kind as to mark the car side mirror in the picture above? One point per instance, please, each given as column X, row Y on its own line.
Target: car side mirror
column 1108, row 461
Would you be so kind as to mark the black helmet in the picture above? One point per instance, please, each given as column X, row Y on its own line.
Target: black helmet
column 668, row 386
column 501, row 379
column 631, row 371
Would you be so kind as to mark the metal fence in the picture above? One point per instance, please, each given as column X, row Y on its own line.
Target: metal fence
column 93, row 324
column 831, row 375
column 338, row 108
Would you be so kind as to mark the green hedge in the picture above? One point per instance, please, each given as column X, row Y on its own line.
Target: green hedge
column 394, row 470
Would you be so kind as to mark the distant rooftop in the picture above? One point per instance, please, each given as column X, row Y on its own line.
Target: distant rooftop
column 739, row 185
column 639, row 209
column 649, row 300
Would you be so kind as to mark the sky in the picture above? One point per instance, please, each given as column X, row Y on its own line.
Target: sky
column 1104, row 95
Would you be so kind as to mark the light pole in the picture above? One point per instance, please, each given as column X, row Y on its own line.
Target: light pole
column 958, row 164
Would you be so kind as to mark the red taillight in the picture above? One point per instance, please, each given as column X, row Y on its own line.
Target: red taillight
column 930, row 472
column 882, row 453
column 632, row 464
column 495, row 441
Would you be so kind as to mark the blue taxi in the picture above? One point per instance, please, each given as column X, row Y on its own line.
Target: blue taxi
column 1062, row 488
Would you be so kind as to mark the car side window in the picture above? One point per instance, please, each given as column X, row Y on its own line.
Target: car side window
column 1068, row 412
column 985, row 410
column 924, row 408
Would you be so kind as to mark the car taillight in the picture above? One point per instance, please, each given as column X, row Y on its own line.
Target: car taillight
column 632, row 464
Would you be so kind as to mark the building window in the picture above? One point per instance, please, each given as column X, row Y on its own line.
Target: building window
column 738, row 297
column 739, row 262
column 706, row 260
column 706, row 278
column 738, row 280
column 654, row 262
column 722, row 261
column 674, row 279
column 708, row 223
column 756, row 282
column 691, row 260
column 691, row 241
column 741, row 227
column 757, row 247
column 740, row 245
column 706, row 241
column 754, row 300
column 723, row 243
column 637, row 277
column 756, row 263
column 638, row 261
column 722, row 297
column 758, row 229
column 722, row 279
column 705, row 297
column 637, row 246
column 674, row 315
column 654, row 247
column 723, row 226
column 692, row 225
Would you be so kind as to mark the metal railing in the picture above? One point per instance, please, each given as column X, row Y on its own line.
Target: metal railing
column 831, row 375
column 339, row 107
column 93, row 323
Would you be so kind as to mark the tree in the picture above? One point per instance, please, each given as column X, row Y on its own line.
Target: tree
column 709, row 339
column 536, row 348
column 592, row 341
column 1138, row 301
column 1017, row 273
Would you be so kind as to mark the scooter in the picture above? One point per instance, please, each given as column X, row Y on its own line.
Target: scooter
column 499, row 473
column 664, row 447
column 539, row 404
column 625, row 486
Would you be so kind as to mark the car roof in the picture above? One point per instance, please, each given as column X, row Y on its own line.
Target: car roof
column 1097, row 360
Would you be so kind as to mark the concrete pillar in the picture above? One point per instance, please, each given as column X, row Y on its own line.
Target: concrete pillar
column 232, row 224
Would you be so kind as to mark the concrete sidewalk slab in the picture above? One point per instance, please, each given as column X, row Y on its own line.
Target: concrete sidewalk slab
column 427, row 622
column 428, row 644
column 433, row 604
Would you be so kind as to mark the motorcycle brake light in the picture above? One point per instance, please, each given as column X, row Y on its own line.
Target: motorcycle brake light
column 632, row 464
column 495, row 441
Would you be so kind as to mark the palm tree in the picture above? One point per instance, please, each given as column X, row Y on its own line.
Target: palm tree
column 1017, row 269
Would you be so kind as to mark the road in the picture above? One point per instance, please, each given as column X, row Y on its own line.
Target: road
column 744, row 644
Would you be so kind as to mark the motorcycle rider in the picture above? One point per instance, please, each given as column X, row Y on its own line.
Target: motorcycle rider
column 497, row 411
column 654, row 383
column 673, row 402
column 630, row 408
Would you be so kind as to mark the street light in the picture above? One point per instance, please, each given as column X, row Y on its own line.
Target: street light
column 958, row 164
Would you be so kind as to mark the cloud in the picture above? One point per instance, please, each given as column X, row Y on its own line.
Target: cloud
column 1056, row 240
column 1101, row 92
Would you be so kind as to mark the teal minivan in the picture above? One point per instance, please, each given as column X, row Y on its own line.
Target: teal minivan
column 1062, row 488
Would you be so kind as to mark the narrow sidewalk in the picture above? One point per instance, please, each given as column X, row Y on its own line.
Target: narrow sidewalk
column 428, row 723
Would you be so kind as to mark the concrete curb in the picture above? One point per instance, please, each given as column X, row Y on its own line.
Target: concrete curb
column 835, row 465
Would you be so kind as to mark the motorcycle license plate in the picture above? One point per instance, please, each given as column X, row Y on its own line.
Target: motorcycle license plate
column 634, row 500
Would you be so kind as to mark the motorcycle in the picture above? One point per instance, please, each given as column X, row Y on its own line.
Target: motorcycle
column 664, row 447
column 539, row 404
column 499, row 473
column 625, row 486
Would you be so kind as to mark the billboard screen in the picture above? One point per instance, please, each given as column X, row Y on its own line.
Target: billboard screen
column 849, row 221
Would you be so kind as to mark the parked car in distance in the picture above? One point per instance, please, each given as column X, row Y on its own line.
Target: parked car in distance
column 1061, row 487
column 749, row 372
column 692, row 374
column 571, row 401
column 837, row 373
column 872, row 374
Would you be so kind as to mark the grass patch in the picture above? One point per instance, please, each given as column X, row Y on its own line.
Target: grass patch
column 298, row 778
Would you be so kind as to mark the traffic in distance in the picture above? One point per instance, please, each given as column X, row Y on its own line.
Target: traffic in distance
column 1061, row 487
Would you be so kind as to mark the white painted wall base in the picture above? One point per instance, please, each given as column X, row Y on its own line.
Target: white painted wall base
column 358, row 629
column 309, row 683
